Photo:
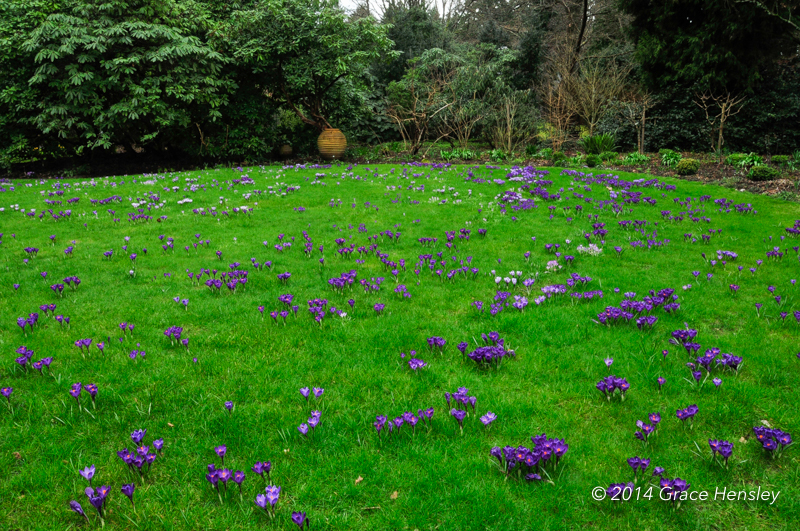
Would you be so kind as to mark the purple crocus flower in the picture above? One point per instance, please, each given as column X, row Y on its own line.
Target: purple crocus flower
column 229, row 405
column 488, row 418
column 76, row 507
column 127, row 490
column 272, row 493
column 221, row 450
column 138, row 435
column 300, row 519
column 305, row 392
column 88, row 473
column 303, row 428
column 6, row 392
column 261, row 501
column 318, row 392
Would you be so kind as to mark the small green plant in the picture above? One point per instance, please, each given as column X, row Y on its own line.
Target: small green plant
column 780, row 160
column 607, row 156
column 636, row 159
column 669, row 158
column 594, row 145
column 531, row 151
column 745, row 160
column 576, row 161
column 794, row 164
column 446, row 155
column 687, row 167
column 546, row 153
column 558, row 158
column 498, row 155
column 763, row 173
column 592, row 161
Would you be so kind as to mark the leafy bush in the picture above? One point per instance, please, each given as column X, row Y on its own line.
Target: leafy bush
column 546, row 153
column 498, row 155
column 576, row 161
column 594, row 145
column 780, row 159
column 609, row 155
column 465, row 154
column 558, row 158
column 763, row 173
column 687, row 167
column 636, row 159
column 669, row 158
column 744, row 160
column 592, row 161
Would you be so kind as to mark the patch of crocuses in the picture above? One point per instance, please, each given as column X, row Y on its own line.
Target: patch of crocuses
column 538, row 463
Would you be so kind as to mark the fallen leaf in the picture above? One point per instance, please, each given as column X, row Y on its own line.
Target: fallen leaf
column 359, row 479
column 393, row 496
column 17, row 455
column 171, row 425
column 742, row 440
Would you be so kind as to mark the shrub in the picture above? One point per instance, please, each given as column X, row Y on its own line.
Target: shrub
column 531, row 151
column 609, row 155
column 763, row 173
column 669, row 158
column 687, row 167
column 594, row 145
column 576, row 161
column 780, row 159
column 558, row 158
column 498, row 155
column 744, row 160
column 592, row 161
column 636, row 159
column 546, row 153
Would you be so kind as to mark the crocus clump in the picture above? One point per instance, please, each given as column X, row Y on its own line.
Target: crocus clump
column 774, row 441
column 531, row 463
column 382, row 423
column 491, row 353
column 612, row 386
column 723, row 448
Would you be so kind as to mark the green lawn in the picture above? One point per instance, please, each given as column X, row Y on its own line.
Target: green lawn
column 342, row 475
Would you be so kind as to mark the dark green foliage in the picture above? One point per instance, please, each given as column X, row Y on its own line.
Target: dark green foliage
column 763, row 173
column 609, row 156
column 594, row 145
column 592, row 161
column 492, row 33
column 779, row 159
column 414, row 30
column 669, row 158
column 125, row 72
column 706, row 42
column 558, row 158
column 300, row 50
column 687, row 167
column 530, row 51
column 19, row 139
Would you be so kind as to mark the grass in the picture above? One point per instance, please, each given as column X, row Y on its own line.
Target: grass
column 430, row 479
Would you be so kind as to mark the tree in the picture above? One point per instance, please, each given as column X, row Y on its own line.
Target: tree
column 718, row 108
column 632, row 108
column 299, row 49
column 124, row 71
column 18, row 99
column 594, row 89
column 413, row 30
column 424, row 92
column 718, row 44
